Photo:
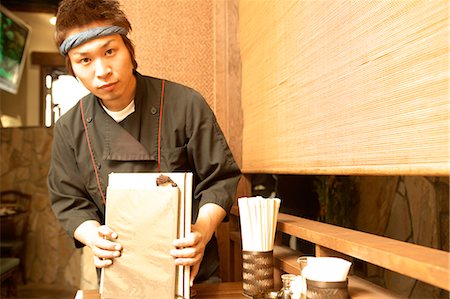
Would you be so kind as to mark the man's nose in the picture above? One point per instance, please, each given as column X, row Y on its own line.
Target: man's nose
column 102, row 68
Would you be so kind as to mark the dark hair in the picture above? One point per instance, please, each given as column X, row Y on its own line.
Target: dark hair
column 77, row 13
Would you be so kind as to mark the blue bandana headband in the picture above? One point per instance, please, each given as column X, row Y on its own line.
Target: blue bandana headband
column 79, row 38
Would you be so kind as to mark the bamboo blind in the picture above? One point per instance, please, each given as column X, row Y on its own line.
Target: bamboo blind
column 345, row 87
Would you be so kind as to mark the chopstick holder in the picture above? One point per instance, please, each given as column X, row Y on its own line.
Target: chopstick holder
column 258, row 220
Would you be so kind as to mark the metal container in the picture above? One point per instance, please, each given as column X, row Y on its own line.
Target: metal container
column 326, row 290
column 257, row 272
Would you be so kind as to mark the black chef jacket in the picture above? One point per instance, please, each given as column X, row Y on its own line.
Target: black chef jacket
column 191, row 141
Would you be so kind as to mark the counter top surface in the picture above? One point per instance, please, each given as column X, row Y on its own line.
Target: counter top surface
column 223, row 290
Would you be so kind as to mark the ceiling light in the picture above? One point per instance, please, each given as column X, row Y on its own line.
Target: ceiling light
column 52, row 20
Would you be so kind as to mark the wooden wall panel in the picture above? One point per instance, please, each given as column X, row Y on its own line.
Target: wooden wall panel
column 228, row 74
column 175, row 40
column 345, row 87
column 194, row 43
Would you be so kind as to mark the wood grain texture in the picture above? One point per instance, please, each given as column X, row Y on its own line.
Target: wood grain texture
column 228, row 290
column 345, row 87
column 175, row 40
column 227, row 106
column 419, row 262
column 285, row 258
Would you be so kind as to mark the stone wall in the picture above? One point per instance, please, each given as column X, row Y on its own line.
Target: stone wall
column 51, row 257
column 413, row 209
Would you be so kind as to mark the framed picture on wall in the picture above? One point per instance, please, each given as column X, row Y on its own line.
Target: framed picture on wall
column 14, row 42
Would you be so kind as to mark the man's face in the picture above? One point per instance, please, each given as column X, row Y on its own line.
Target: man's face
column 104, row 67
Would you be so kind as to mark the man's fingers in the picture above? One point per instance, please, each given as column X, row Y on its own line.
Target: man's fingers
column 104, row 251
column 105, row 254
column 106, row 231
column 107, row 245
column 186, row 256
column 185, row 242
column 184, row 253
column 194, row 271
column 189, row 252
column 186, row 261
column 190, row 240
column 102, row 263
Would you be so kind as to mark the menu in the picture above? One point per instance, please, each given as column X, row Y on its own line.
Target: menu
column 148, row 214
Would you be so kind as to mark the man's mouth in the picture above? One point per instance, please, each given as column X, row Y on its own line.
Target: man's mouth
column 108, row 86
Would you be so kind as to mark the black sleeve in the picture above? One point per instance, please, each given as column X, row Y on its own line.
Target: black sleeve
column 69, row 199
column 211, row 157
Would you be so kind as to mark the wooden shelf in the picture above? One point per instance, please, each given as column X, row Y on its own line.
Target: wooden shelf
column 285, row 259
column 423, row 263
column 419, row 262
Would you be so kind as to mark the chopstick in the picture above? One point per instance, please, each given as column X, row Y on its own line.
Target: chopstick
column 258, row 219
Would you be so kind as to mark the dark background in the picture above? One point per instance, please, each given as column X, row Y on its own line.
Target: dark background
column 47, row 6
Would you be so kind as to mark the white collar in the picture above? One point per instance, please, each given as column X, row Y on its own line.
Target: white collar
column 118, row 116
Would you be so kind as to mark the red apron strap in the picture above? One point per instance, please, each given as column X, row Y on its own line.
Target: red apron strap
column 91, row 152
column 161, row 105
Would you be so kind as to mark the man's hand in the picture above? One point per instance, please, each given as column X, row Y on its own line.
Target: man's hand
column 189, row 251
column 100, row 238
column 104, row 248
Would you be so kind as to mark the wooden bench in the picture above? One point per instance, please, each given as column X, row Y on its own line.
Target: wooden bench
column 426, row 264
column 8, row 268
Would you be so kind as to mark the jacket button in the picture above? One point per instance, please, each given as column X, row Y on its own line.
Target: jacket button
column 153, row 110
column 89, row 119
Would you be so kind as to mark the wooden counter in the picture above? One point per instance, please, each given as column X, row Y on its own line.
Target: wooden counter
column 222, row 290
column 358, row 289
column 226, row 290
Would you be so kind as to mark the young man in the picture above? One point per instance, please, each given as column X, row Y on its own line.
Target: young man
column 132, row 123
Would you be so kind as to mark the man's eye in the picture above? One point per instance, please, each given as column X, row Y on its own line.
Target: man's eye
column 84, row 60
